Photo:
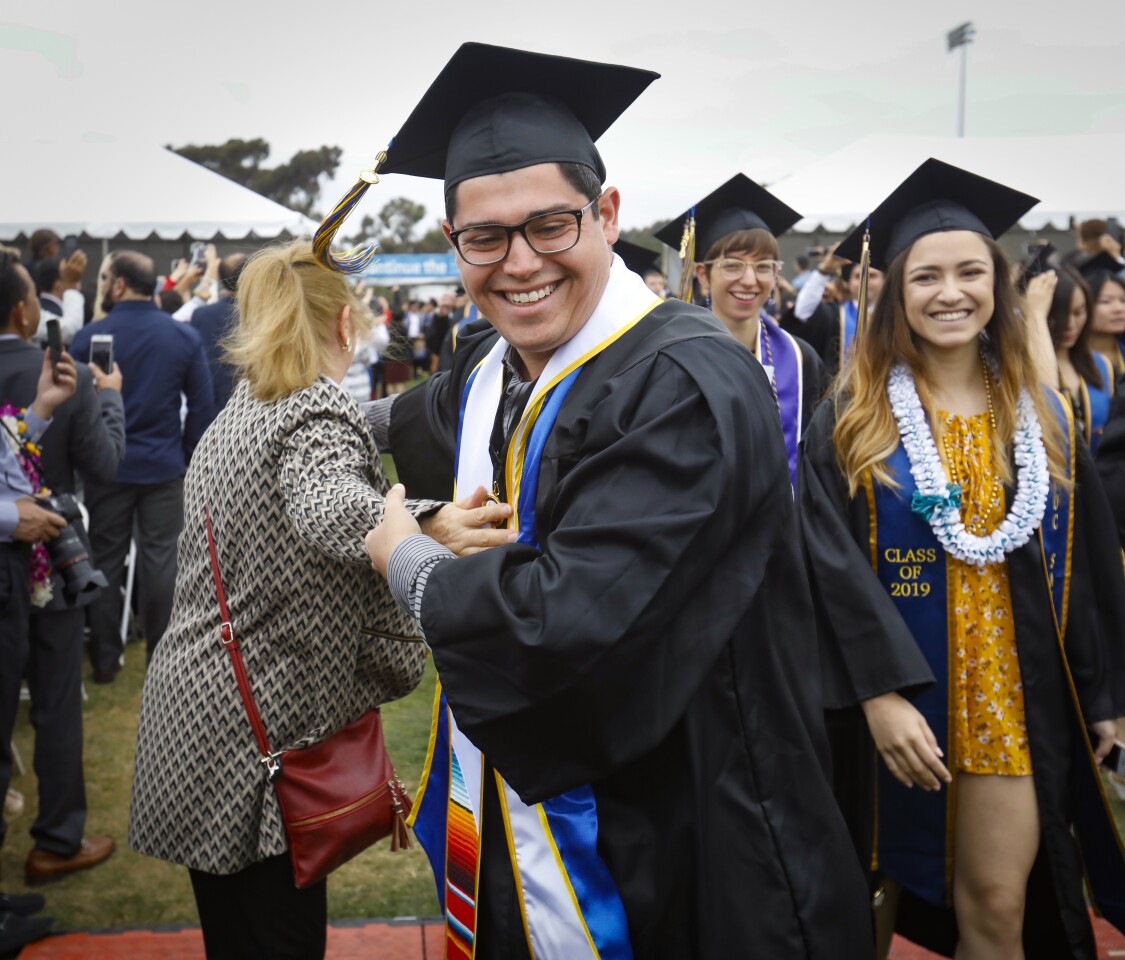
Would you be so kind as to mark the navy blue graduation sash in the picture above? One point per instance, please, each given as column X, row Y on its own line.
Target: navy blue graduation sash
column 914, row 828
column 1097, row 401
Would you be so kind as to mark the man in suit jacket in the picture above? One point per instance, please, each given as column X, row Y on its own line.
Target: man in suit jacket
column 87, row 434
column 160, row 360
column 215, row 321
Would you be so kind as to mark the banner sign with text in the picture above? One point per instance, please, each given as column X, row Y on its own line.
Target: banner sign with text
column 406, row 268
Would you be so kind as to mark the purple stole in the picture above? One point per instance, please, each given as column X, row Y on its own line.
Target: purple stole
column 780, row 355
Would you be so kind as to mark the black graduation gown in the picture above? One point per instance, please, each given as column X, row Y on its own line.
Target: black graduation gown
column 822, row 331
column 1111, row 459
column 658, row 649
column 867, row 650
column 815, row 380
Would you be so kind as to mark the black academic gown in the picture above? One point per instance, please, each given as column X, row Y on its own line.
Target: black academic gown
column 867, row 650
column 821, row 331
column 658, row 649
column 1111, row 459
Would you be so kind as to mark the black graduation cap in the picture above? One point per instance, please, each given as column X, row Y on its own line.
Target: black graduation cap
column 1036, row 264
column 495, row 109
column 934, row 198
column 637, row 258
column 739, row 204
column 1100, row 263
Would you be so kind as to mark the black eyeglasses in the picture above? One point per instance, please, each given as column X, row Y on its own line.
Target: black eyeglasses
column 547, row 233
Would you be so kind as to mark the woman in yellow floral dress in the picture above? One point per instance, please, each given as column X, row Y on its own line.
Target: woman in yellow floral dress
column 964, row 565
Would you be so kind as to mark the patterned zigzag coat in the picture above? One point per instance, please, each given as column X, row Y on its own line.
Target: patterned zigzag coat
column 293, row 487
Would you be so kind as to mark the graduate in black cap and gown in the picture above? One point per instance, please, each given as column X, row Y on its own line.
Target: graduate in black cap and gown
column 1107, row 319
column 736, row 226
column 627, row 757
column 643, row 262
column 970, row 596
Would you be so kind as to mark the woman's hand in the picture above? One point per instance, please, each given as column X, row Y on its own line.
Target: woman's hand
column 1107, row 733
column 1040, row 293
column 905, row 741
column 468, row 526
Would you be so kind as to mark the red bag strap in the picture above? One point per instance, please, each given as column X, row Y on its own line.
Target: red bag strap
column 230, row 642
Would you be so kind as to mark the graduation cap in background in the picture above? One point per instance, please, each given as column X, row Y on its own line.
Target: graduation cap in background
column 1100, row 263
column 494, row 110
column 739, row 204
column 637, row 258
column 936, row 197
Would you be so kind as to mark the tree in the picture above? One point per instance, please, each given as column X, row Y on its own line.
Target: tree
column 394, row 226
column 295, row 184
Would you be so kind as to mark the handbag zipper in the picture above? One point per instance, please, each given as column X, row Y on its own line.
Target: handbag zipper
column 341, row 811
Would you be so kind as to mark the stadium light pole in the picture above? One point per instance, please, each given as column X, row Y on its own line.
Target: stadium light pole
column 961, row 37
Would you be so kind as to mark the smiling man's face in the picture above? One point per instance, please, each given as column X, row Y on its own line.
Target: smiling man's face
column 562, row 289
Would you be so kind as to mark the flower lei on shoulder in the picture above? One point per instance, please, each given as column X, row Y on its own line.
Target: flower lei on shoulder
column 939, row 501
column 28, row 454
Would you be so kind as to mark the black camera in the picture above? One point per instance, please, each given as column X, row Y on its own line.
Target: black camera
column 69, row 554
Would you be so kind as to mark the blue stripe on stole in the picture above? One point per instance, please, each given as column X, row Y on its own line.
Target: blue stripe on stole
column 533, row 454
column 573, row 818
column 432, row 811
column 911, row 565
column 1100, row 398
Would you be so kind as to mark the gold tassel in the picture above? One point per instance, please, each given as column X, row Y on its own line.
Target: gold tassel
column 400, row 835
column 864, row 270
column 687, row 257
column 358, row 258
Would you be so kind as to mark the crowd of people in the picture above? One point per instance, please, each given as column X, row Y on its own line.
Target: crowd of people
column 768, row 619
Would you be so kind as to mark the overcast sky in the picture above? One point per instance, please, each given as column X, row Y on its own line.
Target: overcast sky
column 757, row 87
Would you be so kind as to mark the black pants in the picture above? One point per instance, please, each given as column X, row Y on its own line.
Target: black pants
column 54, row 677
column 15, row 607
column 258, row 914
column 158, row 509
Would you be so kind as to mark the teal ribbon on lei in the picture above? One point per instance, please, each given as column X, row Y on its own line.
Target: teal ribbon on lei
column 925, row 504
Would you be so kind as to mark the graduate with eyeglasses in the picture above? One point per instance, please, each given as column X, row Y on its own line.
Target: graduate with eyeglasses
column 736, row 226
column 970, row 596
column 628, row 757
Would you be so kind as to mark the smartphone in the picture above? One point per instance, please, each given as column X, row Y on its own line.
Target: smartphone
column 54, row 340
column 198, row 253
column 1115, row 759
column 70, row 245
column 1113, row 228
column 101, row 351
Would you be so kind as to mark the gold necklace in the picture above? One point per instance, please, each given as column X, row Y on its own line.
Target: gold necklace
column 994, row 489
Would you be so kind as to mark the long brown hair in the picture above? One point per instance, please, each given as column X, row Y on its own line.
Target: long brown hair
column 1058, row 317
column 866, row 433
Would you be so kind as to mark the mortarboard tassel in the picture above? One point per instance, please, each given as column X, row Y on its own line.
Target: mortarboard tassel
column 687, row 257
column 864, row 270
column 358, row 258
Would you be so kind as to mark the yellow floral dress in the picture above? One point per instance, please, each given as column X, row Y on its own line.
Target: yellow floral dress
column 989, row 725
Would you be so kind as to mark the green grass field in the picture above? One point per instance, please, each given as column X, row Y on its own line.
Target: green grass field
column 133, row 890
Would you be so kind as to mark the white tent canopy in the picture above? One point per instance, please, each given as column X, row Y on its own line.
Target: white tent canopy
column 1075, row 176
column 103, row 189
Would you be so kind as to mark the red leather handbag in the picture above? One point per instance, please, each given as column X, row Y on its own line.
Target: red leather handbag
column 337, row 797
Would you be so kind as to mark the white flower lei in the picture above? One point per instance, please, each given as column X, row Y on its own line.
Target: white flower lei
column 1032, row 484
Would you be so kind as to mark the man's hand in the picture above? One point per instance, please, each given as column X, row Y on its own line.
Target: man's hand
column 831, row 263
column 905, row 742
column 211, row 258
column 469, row 525
column 397, row 525
column 102, row 380
column 178, row 271
column 35, row 523
column 57, row 383
column 1107, row 733
column 189, row 279
column 71, row 270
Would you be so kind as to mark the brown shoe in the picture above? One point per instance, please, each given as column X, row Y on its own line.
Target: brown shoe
column 43, row 866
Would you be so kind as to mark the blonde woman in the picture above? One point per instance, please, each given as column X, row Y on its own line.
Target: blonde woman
column 963, row 560
column 293, row 481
